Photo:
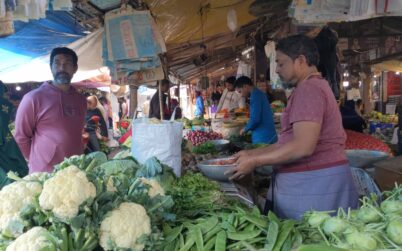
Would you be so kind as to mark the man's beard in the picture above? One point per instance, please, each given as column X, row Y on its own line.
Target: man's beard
column 62, row 78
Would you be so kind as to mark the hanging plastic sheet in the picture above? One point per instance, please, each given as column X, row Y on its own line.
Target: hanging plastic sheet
column 132, row 34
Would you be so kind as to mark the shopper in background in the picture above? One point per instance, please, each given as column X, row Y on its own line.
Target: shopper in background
column 230, row 99
column 215, row 98
column 199, row 105
column 261, row 122
column 154, row 109
column 96, row 125
column 11, row 158
column 311, row 168
column 108, row 111
column 50, row 120
column 123, row 108
column 175, row 108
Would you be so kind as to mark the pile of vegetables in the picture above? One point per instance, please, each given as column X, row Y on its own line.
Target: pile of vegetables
column 88, row 203
column 373, row 226
column 232, row 229
column 199, row 137
column 205, row 148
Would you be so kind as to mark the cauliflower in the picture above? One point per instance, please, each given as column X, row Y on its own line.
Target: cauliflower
column 155, row 188
column 13, row 198
column 66, row 191
column 39, row 176
column 36, row 239
column 124, row 226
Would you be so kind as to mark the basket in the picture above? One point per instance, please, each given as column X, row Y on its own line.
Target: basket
column 365, row 185
column 364, row 158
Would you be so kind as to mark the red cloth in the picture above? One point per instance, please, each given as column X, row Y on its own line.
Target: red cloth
column 357, row 140
column 313, row 100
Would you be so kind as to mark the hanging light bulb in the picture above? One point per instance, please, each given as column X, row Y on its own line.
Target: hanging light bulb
column 18, row 88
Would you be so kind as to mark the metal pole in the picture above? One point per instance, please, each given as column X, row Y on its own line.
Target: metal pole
column 160, row 99
column 133, row 100
column 400, row 124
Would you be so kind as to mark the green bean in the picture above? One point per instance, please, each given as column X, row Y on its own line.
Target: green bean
column 212, row 233
column 188, row 245
column 174, row 233
column 297, row 239
column 252, row 241
column 273, row 217
column 256, row 211
column 285, row 230
column 231, row 219
column 236, row 221
column 273, row 230
column 229, row 227
column 209, row 224
column 198, row 238
column 181, row 241
column 220, row 242
column 240, row 210
column 245, row 235
column 248, row 246
column 250, row 227
column 287, row 245
column 170, row 246
column 256, row 221
column 246, row 225
column 210, row 244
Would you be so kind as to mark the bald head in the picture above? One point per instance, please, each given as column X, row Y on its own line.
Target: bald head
column 92, row 102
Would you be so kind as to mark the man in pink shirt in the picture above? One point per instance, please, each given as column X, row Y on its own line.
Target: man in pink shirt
column 50, row 119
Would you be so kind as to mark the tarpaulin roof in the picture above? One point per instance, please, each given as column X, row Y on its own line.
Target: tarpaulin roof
column 181, row 21
column 90, row 63
column 34, row 39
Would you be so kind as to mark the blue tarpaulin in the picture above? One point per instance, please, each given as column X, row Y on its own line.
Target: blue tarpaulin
column 39, row 37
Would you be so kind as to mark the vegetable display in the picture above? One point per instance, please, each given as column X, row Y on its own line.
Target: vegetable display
column 199, row 137
column 88, row 203
column 91, row 203
column 205, row 148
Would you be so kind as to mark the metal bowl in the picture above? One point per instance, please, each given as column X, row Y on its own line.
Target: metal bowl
column 364, row 158
column 213, row 171
column 220, row 144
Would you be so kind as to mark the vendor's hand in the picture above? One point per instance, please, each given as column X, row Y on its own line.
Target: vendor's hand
column 244, row 165
column 240, row 154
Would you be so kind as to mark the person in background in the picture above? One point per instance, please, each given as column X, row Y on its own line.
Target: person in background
column 145, row 107
column 215, row 97
column 230, row 99
column 96, row 125
column 154, row 109
column 108, row 111
column 311, row 170
column 351, row 117
column 123, row 108
column 175, row 108
column 199, row 105
column 261, row 122
column 50, row 120
column 11, row 158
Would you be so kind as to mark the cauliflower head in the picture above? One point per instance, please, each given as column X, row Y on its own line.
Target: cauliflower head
column 36, row 239
column 66, row 191
column 38, row 176
column 124, row 226
column 155, row 188
column 13, row 198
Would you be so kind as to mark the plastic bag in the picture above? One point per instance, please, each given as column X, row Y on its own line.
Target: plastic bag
column 160, row 140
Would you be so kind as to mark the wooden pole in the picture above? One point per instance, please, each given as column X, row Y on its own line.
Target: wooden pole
column 133, row 100
column 367, row 93
column 160, row 98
